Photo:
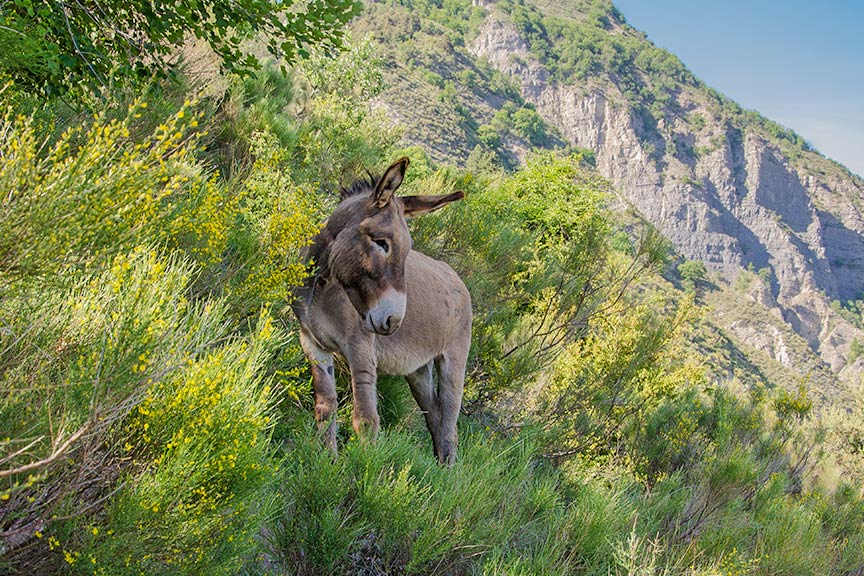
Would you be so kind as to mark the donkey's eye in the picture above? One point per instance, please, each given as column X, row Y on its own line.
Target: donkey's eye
column 383, row 244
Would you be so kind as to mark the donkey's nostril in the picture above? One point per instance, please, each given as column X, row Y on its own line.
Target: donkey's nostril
column 387, row 322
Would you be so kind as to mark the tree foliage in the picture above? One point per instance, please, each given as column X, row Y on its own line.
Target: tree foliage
column 52, row 47
column 692, row 272
column 529, row 124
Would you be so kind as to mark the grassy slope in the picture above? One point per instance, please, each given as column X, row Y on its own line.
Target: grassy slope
column 437, row 90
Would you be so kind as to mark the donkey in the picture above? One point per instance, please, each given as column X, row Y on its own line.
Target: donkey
column 384, row 308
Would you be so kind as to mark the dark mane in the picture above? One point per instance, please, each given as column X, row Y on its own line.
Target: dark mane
column 363, row 185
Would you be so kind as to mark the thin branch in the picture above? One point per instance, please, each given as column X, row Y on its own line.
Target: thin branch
column 57, row 454
column 96, row 75
column 22, row 450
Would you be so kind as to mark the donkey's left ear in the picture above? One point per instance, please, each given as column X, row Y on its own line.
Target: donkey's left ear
column 418, row 205
column 390, row 181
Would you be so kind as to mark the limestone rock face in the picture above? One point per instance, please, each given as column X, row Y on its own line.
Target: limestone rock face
column 728, row 197
column 769, row 341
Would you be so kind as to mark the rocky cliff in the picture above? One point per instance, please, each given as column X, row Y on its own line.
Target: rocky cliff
column 724, row 193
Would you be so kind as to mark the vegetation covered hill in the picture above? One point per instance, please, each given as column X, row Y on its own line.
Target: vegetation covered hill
column 728, row 187
column 156, row 411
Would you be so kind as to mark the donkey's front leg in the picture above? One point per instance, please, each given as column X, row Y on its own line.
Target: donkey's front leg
column 324, row 384
column 364, row 376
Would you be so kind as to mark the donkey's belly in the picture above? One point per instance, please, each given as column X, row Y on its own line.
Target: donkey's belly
column 409, row 348
column 404, row 355
column 392, row 362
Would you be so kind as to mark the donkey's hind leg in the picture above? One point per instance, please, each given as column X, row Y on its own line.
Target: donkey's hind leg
column 324, row 384
column 451, row 382
column 423, row 390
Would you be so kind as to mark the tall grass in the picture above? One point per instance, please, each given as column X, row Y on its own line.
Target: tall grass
column 390, row 507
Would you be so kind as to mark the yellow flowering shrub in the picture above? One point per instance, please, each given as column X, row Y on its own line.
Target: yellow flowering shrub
column 199, row 446
column 76, row 357
column 280, row 218
column 165, row 395
column 72, row 203
column 105, row 344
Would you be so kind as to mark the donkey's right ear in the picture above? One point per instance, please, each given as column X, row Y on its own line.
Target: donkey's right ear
column 390, row 181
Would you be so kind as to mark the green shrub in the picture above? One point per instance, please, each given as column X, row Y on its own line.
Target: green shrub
column 339, row 141
column 257, row 103
column 604, row 392
column 856, row 350
column 489, row 137
column 530, row 125
column 692, row 272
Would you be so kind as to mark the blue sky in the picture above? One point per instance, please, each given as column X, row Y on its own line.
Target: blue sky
column 800, row 63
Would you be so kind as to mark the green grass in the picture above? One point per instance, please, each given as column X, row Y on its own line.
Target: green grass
column 391, row 507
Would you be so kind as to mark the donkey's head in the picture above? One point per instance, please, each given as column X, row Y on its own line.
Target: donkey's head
column 365, row 242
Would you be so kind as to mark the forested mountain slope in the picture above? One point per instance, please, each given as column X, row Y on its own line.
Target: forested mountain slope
column 726, row 186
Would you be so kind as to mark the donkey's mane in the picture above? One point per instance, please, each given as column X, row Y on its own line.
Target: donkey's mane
column 362, row 185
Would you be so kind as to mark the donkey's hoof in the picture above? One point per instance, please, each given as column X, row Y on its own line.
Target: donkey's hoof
column 447, row 456
column 327, row 432
column 367, row 429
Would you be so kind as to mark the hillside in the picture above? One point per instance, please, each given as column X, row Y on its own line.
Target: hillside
column 626, row 412
column 726, row 186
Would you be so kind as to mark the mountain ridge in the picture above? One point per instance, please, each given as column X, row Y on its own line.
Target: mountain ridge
column 726, row 186
column 739, row 203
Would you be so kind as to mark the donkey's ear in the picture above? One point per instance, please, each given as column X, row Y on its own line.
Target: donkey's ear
column 390, row 181
column 418, row 205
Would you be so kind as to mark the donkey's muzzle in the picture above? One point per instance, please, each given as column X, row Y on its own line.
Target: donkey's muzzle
column 387, row 327
column 386, row 316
